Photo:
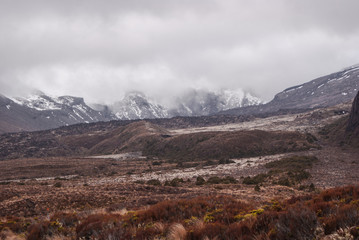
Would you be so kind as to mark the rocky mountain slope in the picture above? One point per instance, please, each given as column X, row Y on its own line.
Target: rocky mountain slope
column 329, row 90
column 135, row 105
column 203, row 103
column 40, row 111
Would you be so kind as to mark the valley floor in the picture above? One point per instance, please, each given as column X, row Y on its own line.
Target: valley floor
column 34, row 186
column 38, row 187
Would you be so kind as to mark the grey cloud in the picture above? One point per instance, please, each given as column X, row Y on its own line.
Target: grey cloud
column 100, row 49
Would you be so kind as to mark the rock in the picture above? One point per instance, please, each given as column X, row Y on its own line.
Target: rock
column 353, row 123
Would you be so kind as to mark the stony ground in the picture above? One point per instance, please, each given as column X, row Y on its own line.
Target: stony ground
column 30, row 187
column 84, row 184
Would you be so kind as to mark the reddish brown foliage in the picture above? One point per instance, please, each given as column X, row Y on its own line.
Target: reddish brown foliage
column 179, row 210
column 211, row 230
column 38, row 231
column 15, row 224
column 340, row 193
column 346, row 215
column 215, row 217
column 66, row 219
column 239, row 231
column 96, row 225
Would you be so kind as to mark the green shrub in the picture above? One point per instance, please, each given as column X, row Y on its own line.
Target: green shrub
column 284, row 181
column 174, row 182
column 139, row 182
column 200, row 180
column 154, row 182
column 258, row 179
column 225, row 161
column 157, row 163
column 294, row 163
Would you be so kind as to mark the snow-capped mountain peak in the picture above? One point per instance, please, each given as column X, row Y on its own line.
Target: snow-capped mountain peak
column 205, row 102
column 42, row 102
column 238, row 98
column 44, row 111
column 136, row 105
column 63, row 110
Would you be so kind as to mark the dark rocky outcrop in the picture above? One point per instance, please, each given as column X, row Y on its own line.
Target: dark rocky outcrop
column 353, row 122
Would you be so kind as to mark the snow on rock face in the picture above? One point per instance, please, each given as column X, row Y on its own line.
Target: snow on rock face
column 38, row 102
column 136, row 105
column 42, row 102
column 201, row 102
column 324, row 91
column 65, row 109
column 237, row 98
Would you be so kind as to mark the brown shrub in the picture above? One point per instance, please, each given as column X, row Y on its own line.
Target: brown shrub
column 210, row 217
column 66, row 219
column 98, row 225
column 239, row 231
column 340, row 193
column 7, row 234
column 211, row 231
column 297, row 223
column 323, row 208
column 296, row 199
column 354, row 231
column 265, row 222
column 144, row 231
column 178, row 210
column 38, row 231
column 15, row 224
column 345, row 216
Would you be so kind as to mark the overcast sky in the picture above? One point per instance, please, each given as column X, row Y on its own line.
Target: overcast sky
column 101, row 49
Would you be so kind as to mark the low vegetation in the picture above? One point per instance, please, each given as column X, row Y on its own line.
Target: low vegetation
column 177, row 182
column 287, row 171
column 152, row 141
column 221, row 217
column 174, row 182
column 226, row 145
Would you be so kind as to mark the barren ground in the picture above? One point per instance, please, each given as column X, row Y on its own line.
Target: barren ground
column 40, row 186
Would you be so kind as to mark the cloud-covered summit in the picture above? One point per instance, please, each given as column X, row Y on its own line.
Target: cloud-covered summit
column 101, row 50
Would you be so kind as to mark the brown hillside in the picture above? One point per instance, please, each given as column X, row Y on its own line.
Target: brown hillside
column 154, row 141
column 77, row 143
column 129, row 139
column 237, row 144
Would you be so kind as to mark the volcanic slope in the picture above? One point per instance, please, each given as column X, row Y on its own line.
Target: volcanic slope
column 345, row 130
column 154, row 141
column 330, row 90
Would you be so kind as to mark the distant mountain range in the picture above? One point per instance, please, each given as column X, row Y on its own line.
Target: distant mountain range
column 329, row 90
column 40, row 111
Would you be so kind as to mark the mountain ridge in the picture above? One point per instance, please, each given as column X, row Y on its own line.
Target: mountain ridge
column 325, row 91
column 46, row 112
column 40, row 111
